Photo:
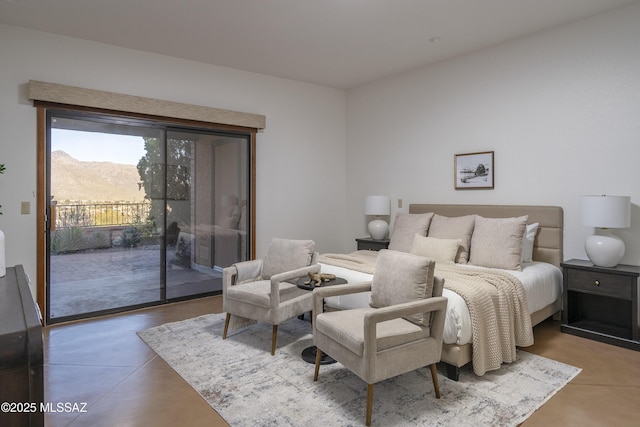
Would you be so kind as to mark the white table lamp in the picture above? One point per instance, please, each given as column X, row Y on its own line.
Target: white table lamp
column 605, row 249
column 377, row 205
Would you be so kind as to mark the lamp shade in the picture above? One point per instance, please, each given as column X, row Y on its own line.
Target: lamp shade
column 606, row 211
column 376, row 205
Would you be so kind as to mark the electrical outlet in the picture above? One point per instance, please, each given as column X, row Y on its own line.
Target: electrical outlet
column 400, row 203
column 25, row 208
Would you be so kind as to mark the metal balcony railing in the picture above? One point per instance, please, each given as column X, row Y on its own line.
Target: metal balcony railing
column 99, row 214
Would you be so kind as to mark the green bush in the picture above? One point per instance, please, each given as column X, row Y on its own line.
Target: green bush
column 67, row 240
column 147, row 228
column 100, row 240
column 130, row 238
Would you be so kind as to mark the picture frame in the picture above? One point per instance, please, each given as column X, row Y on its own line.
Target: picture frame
column 473, row 171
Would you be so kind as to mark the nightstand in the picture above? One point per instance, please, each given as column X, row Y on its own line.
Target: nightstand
column 367, row 243
column 601, row 303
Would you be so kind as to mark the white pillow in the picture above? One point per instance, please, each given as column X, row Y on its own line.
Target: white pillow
column 527, row 242
column 440, row 250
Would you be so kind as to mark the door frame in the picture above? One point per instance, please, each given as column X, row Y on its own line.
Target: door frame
column 42, row 206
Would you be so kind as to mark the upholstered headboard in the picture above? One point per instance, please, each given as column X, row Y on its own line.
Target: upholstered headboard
column 547, row 246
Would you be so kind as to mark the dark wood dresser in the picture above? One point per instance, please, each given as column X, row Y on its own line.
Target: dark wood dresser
column 21, row 353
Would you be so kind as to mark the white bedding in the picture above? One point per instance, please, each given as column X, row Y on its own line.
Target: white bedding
column 542, row 283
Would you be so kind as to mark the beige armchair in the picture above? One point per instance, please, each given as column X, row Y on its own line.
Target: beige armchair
column 262, row 290
column 400, row 332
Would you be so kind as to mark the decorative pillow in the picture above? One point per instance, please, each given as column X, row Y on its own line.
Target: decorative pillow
column 286, row 255
column 527, row 242
column 229, row 222
column 497, row 242
column 227, row 216
column 402, row 277
column 460, row 227
column 440, row 250
column 405, row 227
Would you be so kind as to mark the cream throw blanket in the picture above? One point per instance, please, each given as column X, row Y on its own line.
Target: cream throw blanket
column 362, row 261
column 500, row 318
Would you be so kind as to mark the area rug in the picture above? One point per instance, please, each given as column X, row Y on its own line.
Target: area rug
column 247, row 386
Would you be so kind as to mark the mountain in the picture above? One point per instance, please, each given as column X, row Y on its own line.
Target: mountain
column 72, row 179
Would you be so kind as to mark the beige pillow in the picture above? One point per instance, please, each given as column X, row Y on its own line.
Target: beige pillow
column 402, row 277
column 497, row 242
column 405, row 227
column 460, row 227
column 286, row 255
column 229, row 222
column 440, row 250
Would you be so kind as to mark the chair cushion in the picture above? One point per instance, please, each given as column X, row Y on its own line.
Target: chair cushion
column 405, row 227
column 286, row 255
column 402, row 277
column 347, row 328
column 259, row 293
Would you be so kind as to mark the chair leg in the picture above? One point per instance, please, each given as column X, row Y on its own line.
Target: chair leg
column 369, row 403
column 434, row 376
column 318, row 360
column 274, row 337
column 226, row 326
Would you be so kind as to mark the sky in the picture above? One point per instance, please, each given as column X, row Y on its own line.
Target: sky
column 98, row 147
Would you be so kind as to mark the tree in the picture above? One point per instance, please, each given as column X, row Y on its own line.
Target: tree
column 151, row 169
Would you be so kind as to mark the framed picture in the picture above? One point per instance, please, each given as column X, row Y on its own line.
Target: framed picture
column 473, row 170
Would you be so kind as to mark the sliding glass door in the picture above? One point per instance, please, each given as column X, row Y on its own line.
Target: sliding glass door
column 140, row 213
column 206, row 209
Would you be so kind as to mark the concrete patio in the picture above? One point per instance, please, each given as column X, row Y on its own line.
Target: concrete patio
column 97, row 280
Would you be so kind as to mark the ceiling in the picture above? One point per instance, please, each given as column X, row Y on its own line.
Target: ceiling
column 336, row 43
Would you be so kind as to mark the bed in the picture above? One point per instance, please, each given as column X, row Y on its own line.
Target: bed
column 540, row 275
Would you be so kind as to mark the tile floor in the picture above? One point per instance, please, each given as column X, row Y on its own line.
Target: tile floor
column 104, row 363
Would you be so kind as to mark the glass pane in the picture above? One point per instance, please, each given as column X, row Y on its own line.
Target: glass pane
column 205, row 210
column 104, row 239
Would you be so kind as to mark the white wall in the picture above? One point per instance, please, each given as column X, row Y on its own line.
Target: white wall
column 561, row 110
column 296, row 197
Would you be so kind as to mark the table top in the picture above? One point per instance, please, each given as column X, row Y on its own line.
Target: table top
column 300, row 282
column 622, row 269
